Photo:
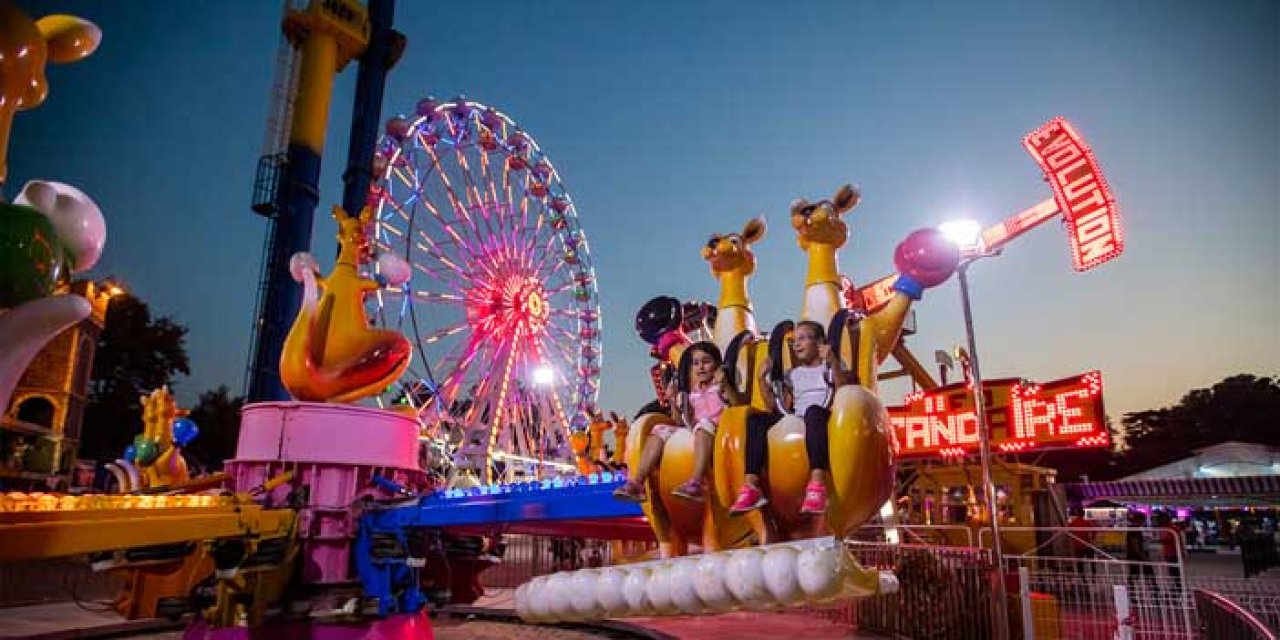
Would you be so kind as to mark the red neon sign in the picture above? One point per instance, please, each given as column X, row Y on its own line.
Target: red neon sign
column 1093, row 218
column 1063, row 414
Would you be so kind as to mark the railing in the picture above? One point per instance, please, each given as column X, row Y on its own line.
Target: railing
column 1071, row 585
column 1223, row 619
column 942, row 535
column 944, row 592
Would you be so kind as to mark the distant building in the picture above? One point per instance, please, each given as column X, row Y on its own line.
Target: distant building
column 1226, row 460
column 1231, row 474
column 40, row 429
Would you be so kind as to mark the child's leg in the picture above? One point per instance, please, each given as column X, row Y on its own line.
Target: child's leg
column 649, row 457
column 815, row 442
column 757, row 444
column 702, row 441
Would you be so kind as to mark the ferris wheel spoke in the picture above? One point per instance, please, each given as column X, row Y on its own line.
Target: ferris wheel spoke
column 442, row 298
column 498, row 416
column 444, row 332
column 449, row 228
column 437, row 274
column 454, row 200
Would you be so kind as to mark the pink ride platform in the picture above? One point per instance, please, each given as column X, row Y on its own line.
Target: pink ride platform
column 334, row 451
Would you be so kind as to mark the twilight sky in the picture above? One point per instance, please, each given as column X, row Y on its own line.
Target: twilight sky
column 672, row 120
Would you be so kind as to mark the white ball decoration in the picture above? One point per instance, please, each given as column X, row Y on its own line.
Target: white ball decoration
column 635, row 589
column 680, row 584
column 394, row 268
column 658, row 589
column 539, row 603
column 819, row 571
column 582, row 593
column 746, row 577
column 75, row 216
column 711, row 582
column 301, row 263
column 559, row 603
column 522, row 601
column 780, row 574
column 609, row 596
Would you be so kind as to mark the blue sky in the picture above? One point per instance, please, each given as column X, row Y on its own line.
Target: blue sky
column 672, row 120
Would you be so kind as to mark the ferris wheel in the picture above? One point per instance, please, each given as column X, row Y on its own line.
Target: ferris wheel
column 502, row 306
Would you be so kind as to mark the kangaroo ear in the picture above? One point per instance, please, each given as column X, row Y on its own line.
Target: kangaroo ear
column 798, row 206
column 846, row 198
column 339, row 214
column 753, row 231
column 366, row 214
column 69, row 38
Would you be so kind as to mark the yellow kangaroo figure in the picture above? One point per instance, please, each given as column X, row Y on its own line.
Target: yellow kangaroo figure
column 677, row 521
column 862, row 468
column 159, row 410
column 331, row 353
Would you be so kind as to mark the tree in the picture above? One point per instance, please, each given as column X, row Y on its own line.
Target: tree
column 136, row 354
column 218, row 416
column 1242, row 408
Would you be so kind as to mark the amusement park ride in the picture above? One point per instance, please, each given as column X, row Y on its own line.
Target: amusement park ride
column 463, row 306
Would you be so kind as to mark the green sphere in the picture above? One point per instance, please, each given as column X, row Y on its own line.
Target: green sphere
column 146, row 450
column 32, row 258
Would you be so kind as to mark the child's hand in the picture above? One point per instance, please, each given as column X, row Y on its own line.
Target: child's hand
column 765, row 367
column 826, row 353
column 719, row 376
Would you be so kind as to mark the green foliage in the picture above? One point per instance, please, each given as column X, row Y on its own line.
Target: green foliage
column 136, row 354
column 218, row 416
column 1239, row 408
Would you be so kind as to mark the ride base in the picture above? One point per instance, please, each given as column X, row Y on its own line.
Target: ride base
column 334, row 452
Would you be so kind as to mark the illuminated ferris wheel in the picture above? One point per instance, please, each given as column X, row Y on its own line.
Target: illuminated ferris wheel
column 502, row 305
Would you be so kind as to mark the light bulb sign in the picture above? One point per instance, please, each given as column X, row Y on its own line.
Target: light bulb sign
column 1080, row 195
column 1062, row 414
column 1080, row 191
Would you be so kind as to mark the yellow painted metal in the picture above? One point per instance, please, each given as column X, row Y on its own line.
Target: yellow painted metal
column 678, row 522
column 315, row 90
column 32, row 535
column 331, row 34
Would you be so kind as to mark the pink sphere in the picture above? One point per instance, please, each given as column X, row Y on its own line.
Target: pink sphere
column 927, row 257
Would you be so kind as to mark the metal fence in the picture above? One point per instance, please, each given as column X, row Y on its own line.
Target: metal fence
column 944, row 592
column 1222, row 619
column 1072, row 584
column 1261, row 598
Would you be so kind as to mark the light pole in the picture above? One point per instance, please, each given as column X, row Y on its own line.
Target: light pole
column 966, row 235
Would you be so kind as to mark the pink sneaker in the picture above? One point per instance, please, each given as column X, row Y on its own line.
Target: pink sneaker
column 815, row 499
column 749, row 499
column 691, row 490
column 632, row 491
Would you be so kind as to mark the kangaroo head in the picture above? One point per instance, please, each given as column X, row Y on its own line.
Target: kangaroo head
column 353, row 236
column 819, row 222
column 732, row 252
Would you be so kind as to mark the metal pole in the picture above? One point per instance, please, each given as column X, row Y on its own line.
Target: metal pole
column 984, row 438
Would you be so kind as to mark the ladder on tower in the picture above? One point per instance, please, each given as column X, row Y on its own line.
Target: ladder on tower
column 284, row 91
column 272, row 164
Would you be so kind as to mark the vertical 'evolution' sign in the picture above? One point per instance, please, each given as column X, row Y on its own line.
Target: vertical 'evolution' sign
column 1023, row 415
column 1093, row 218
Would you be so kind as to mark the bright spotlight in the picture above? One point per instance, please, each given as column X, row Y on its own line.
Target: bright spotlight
column 966, row 234
column 543, row 375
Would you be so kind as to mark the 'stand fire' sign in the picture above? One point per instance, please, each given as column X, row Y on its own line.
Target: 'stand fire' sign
column 1061, row 414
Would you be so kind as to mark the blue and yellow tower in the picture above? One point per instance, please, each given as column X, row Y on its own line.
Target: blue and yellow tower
column 319, row 40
